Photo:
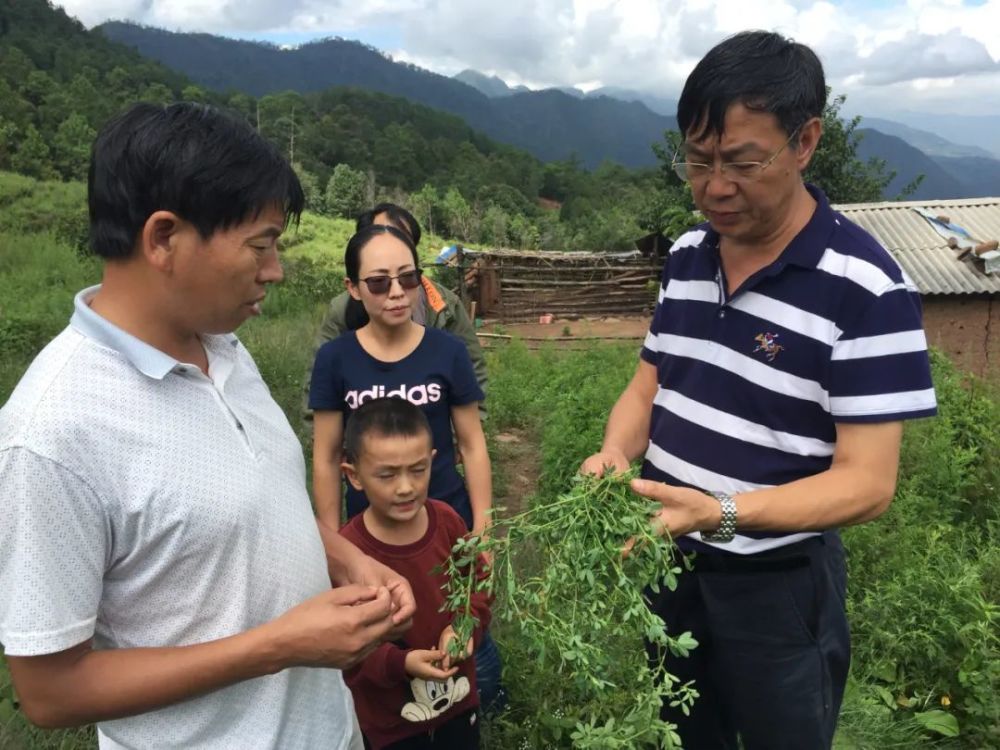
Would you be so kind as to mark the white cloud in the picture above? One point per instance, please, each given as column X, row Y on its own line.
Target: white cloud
column 92, row 12
column 919, row 56
column 877, row 53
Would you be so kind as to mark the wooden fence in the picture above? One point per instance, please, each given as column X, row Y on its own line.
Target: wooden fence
column 517, row 286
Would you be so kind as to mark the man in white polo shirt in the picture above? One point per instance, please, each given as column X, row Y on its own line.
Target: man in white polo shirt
column 161, row 572
column 784, row 355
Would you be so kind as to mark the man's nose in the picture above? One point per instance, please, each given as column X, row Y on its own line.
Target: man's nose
column 718, row 185
column 271, row 270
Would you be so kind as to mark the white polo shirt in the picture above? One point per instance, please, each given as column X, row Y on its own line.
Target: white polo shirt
column 145, row 504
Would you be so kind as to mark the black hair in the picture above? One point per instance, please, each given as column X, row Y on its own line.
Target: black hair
column 761, row 70
column 208, row 167
column 357, row 243
column 398, row 216
column 355, row 315
column 386, row 417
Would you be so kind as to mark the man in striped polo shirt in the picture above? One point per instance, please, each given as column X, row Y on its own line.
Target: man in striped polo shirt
column 785, row 351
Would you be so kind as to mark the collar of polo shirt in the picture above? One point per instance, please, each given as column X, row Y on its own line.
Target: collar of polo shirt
column 147, row 359
column 808, row 246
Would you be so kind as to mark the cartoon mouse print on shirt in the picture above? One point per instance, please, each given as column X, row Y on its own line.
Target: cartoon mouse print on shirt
column 432, row 698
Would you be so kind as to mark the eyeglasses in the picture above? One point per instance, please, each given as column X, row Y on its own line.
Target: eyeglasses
column 734, row 171
column 382, row 283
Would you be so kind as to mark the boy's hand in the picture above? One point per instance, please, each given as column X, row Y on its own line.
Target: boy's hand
column 447, row 636
column 425, row 665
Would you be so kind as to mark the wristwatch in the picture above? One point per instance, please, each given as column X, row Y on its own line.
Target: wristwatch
column 727, row 526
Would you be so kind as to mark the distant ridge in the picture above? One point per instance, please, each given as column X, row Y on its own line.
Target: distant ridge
column 609, row 123
column 550, row 124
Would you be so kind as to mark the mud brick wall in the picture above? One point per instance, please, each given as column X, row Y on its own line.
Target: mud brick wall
column 967, row 329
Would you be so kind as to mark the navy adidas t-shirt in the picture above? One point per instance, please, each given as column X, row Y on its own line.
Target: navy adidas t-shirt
column 435, row 376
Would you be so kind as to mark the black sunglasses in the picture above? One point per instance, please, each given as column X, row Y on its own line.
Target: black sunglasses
column 382, row 283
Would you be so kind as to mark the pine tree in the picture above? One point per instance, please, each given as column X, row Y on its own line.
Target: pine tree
column 345, row 192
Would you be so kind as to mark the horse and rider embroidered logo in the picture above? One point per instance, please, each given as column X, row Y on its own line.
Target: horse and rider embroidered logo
column 768, row 343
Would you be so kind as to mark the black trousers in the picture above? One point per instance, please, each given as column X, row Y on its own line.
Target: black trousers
column 461, row 733
column 774, row 647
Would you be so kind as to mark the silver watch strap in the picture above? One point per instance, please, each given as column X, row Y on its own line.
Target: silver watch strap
column 727, row 525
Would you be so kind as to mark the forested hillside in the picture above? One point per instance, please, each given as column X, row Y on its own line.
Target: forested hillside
column 608, row 123
column 59, row 82
column 909, row 162
column 550, row 124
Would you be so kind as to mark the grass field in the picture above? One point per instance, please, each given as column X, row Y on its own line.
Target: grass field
column 924, row 579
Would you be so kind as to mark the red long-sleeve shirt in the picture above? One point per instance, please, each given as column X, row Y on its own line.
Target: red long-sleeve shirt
column 390, row 706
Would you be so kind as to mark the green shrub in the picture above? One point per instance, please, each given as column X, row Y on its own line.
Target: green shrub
column 924, row 579
column 572, row 619
column 30, row 206
column 17, row 734
column 22, row 337
column 308, row 282
column 39, row 274
column 282, row 348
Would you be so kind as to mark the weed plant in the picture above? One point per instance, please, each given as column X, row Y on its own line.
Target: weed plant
column 924, row 579
column 576, row 620
column 924, row 585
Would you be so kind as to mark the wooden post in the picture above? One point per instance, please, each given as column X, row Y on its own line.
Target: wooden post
column 463, row 293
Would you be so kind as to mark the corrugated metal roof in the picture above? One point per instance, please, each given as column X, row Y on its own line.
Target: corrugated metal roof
column 921, row 251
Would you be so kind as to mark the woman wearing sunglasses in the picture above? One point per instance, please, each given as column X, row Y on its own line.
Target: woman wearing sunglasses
column 392, row 356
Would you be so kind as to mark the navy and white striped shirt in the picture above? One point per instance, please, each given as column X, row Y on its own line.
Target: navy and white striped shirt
column 751, row 386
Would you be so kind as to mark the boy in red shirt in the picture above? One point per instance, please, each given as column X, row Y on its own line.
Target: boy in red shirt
column 409, row 694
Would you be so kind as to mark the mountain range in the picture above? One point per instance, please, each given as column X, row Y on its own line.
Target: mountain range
column 493, row 86
column 983, row 130
column 550, row 124
column 553, row 124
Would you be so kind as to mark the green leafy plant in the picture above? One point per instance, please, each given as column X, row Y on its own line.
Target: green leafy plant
column 576, row 617
column 925, row 578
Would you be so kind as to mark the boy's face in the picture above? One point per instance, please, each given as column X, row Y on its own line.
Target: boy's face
column 394, row 472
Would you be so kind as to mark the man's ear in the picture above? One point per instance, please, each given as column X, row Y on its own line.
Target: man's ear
column 352, row 475
column 158, row 239
column 808, row 142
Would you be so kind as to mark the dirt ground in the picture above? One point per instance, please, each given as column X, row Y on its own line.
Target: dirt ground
column 520, row 464
column 625, row 328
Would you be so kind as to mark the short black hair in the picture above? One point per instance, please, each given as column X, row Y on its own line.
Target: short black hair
column 210, row 168
column 399, row 216
column 761, row 70
column 386, row 417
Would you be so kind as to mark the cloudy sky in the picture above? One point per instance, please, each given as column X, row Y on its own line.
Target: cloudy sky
column 886, row 55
